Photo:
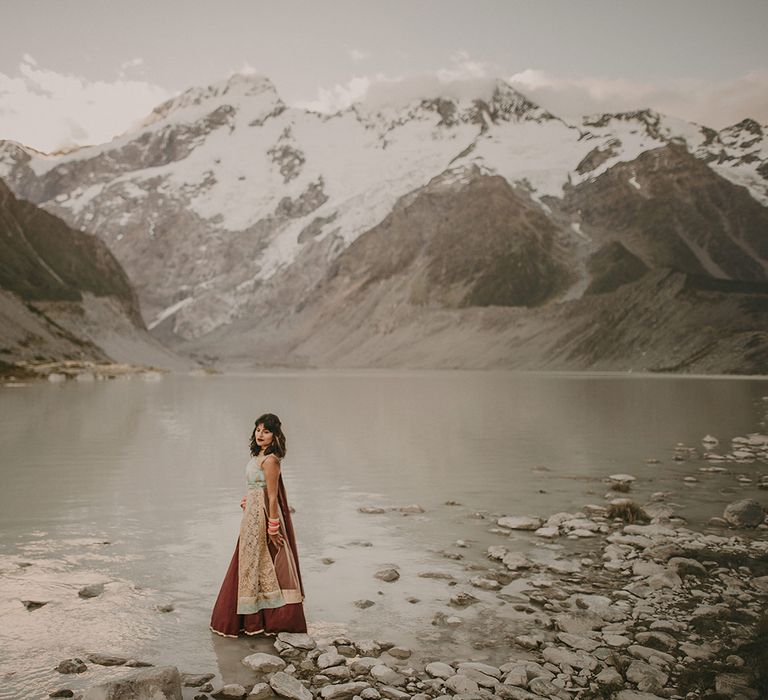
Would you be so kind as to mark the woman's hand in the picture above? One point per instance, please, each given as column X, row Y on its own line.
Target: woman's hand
column 276, row 540
column 242, row 502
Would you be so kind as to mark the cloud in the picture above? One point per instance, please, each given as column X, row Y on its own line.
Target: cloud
column 464, row 78
column 50, row 111
column 711, row 103
column 356, row 54
column 708, row 102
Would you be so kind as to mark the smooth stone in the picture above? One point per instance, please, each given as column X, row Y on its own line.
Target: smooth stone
column 735, row 685
column 520, row 522
column 486, row 669
column 298, row 640
column 73, row 665
column 107, row 660
column 338, row 673
column 342, row 691
column 578, row 622
column 384, row 674
column 260, row 691
column 330, row 658
column 367, row 647
column 363, row 665
column 387, row 575
column 577, row 642
column 461, row 684
column 287, row 686
column 393, row 693
column 486, row 584
column 161, row 682
column 92, row 590
column 547, row 531
column 577, row 659
column 684, row 566
column 438, row 669
column 609, row 677
column 647, row 677
column 194, row 680
column 547, row 689
column 264, row 663
column 481, row 679
column 230, row 690
column 399, row 652
column 744, row 513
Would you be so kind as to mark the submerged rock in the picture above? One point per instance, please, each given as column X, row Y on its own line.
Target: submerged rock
column 744, row 513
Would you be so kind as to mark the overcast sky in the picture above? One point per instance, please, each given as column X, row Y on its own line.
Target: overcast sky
column 82, row 71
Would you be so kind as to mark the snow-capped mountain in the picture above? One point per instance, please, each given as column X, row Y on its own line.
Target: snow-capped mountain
column 225, row 201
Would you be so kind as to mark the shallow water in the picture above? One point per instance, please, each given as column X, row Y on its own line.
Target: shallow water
column 137, row 484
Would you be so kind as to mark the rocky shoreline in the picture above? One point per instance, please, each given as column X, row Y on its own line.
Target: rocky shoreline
column 22, row 372
column 652, row 610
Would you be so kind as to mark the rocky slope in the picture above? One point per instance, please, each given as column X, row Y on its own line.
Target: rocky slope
column 478, row 231
column 63, row 296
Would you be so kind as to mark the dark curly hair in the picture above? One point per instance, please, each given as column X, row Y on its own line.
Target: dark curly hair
column 272, row 423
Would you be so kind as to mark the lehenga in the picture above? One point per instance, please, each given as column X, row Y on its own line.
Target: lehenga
column 262, row 589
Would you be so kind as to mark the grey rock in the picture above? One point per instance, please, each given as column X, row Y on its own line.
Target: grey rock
column 520, row 522
column 363, row 665
column 363, row 604
column 338, row 673
column 194, row 680
column 230, row 690
column 107, row 660
column 73, row 665
column 329, row 658
column 297, row 640
column 367, row 647
column 391, row 693
column 487, row 669
column 384, row 674
column 260, row 691
column 289, row 687
column 547, row 689
column 264, row 663
column 370, row 694
column 648, row 678
column 438, row 669
column 92, row 590
column 577, row 659
column 387, row 575
column 744, row 513
column 610, row 678
column 157, row 683
column 482, row 679
column 683, row 566
column 578, row 642
column 342, row 691
column 734, row 685
column 400, row 652
column 461, row 684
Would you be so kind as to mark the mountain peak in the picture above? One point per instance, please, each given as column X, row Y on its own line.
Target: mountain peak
column 233, row 89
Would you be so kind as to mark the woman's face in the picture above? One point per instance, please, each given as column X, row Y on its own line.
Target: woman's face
column 263, row 435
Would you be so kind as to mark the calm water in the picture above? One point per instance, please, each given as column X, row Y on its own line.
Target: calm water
column 156, row 470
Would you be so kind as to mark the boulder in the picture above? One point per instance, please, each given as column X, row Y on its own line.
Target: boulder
column 289, row 687
column 342, row 691
column 520, row 522
column 156, row 683
column 264, row 663
column 744, row 513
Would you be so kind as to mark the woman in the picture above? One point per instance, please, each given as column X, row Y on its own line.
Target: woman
column 262, row 590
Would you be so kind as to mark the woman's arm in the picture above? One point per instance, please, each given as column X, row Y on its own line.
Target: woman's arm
column 271, row 467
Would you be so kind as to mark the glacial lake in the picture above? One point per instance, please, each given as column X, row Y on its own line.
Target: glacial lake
column 136, row 484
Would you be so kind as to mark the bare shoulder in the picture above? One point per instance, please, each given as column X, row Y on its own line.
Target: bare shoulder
column 271, row 462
